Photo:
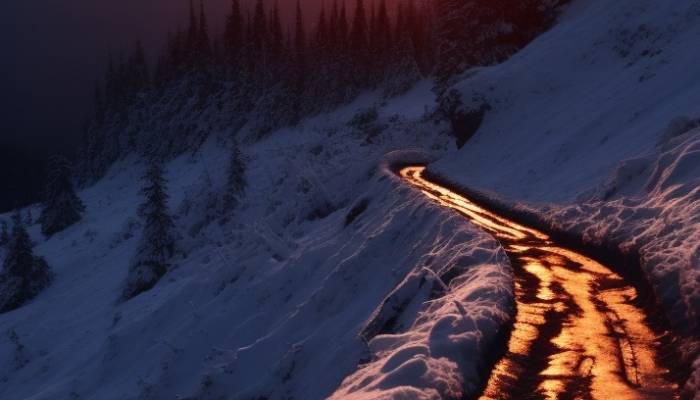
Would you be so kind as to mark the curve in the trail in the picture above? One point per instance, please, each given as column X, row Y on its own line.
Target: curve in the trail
column 577, row 333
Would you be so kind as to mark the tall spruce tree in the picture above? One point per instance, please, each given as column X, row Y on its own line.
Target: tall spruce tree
column 138, row 75
column 276, row 35
column 203, row 48
column 300, row 37
column 236, row 181
column 343, row 28
column 258, row 36
column 62, row 207
column 322, row 32
column 233, row 33
column 359, row 48
column 453, row 47
column 4, row 234
column 24, row 275
column 157, row 243
column 192, row 36
column 403, row 70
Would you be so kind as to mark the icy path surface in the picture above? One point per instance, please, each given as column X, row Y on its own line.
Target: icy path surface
column 578, row 332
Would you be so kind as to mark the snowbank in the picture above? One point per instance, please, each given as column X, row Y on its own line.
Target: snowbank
column 601, row 87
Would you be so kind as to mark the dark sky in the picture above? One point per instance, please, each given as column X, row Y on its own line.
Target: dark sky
column 52, row 52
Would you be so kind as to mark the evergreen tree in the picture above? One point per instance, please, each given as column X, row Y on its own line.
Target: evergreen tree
column 358, row 35
column 99, row 107
column 203, row 50
column 300, row 37
column 258, row 35
column 29, row 220
column 110, row 83
column 333, row 27
column 157, row 243
column 62, row 207
column 402, row 70
column 358, row 45
column 380, row 42
column 382, row 30
column 24, row 275
column 454, row 55
column 423, row 29
column 233, row 33
column 236, row 182
column 299, row 79
column 322, row 32
column 276, row 37
column 343, row 29
column 192, row 36
column 4, row 234
column 137, row 76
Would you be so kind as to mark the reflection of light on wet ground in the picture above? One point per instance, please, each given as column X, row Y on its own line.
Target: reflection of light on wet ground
column 577, row 333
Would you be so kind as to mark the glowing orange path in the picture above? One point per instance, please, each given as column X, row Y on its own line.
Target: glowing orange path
column 577, row 332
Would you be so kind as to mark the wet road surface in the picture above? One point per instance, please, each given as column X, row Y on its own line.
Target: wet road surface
column 578, row 333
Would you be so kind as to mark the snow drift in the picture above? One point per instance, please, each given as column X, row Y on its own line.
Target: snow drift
column 580, row 117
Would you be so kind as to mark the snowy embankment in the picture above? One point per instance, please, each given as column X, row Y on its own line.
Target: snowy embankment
column 325, row 253
column 434, row 335
column 593, row 125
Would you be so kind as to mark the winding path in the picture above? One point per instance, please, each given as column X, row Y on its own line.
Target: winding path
column 578, row 333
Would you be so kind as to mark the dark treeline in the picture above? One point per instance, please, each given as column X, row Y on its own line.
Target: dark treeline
column 276, row 73
column 257, row 50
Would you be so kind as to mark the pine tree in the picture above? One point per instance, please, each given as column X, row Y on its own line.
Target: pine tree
column 358, row 35
column 4, row 234
column 454, row 54
column 300, row 38
column 423, row 28
column 29, row 219
column 382, row 30
column 259, row 27
column 358, row 45
column 110, row 83
column 203, row 50
column 343, row 29
column 99, row 107
column 322, row 32
column 24, row 275
column 192, row 36
column 299, row 80
column 333, row 27
column 402, row 70
column 157, row 243
column 276, row 34
column 380, row 42
column 236, row 182
column 141, row 66
column 62, row 207
column 233, row 33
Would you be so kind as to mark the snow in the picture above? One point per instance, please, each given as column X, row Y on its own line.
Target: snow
column 592, row 127
column 277, row 302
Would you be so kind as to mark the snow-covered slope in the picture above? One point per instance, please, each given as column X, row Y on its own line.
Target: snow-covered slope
column 318, row 286
column 599, row 87
column 598, row 116
column 277, row 303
